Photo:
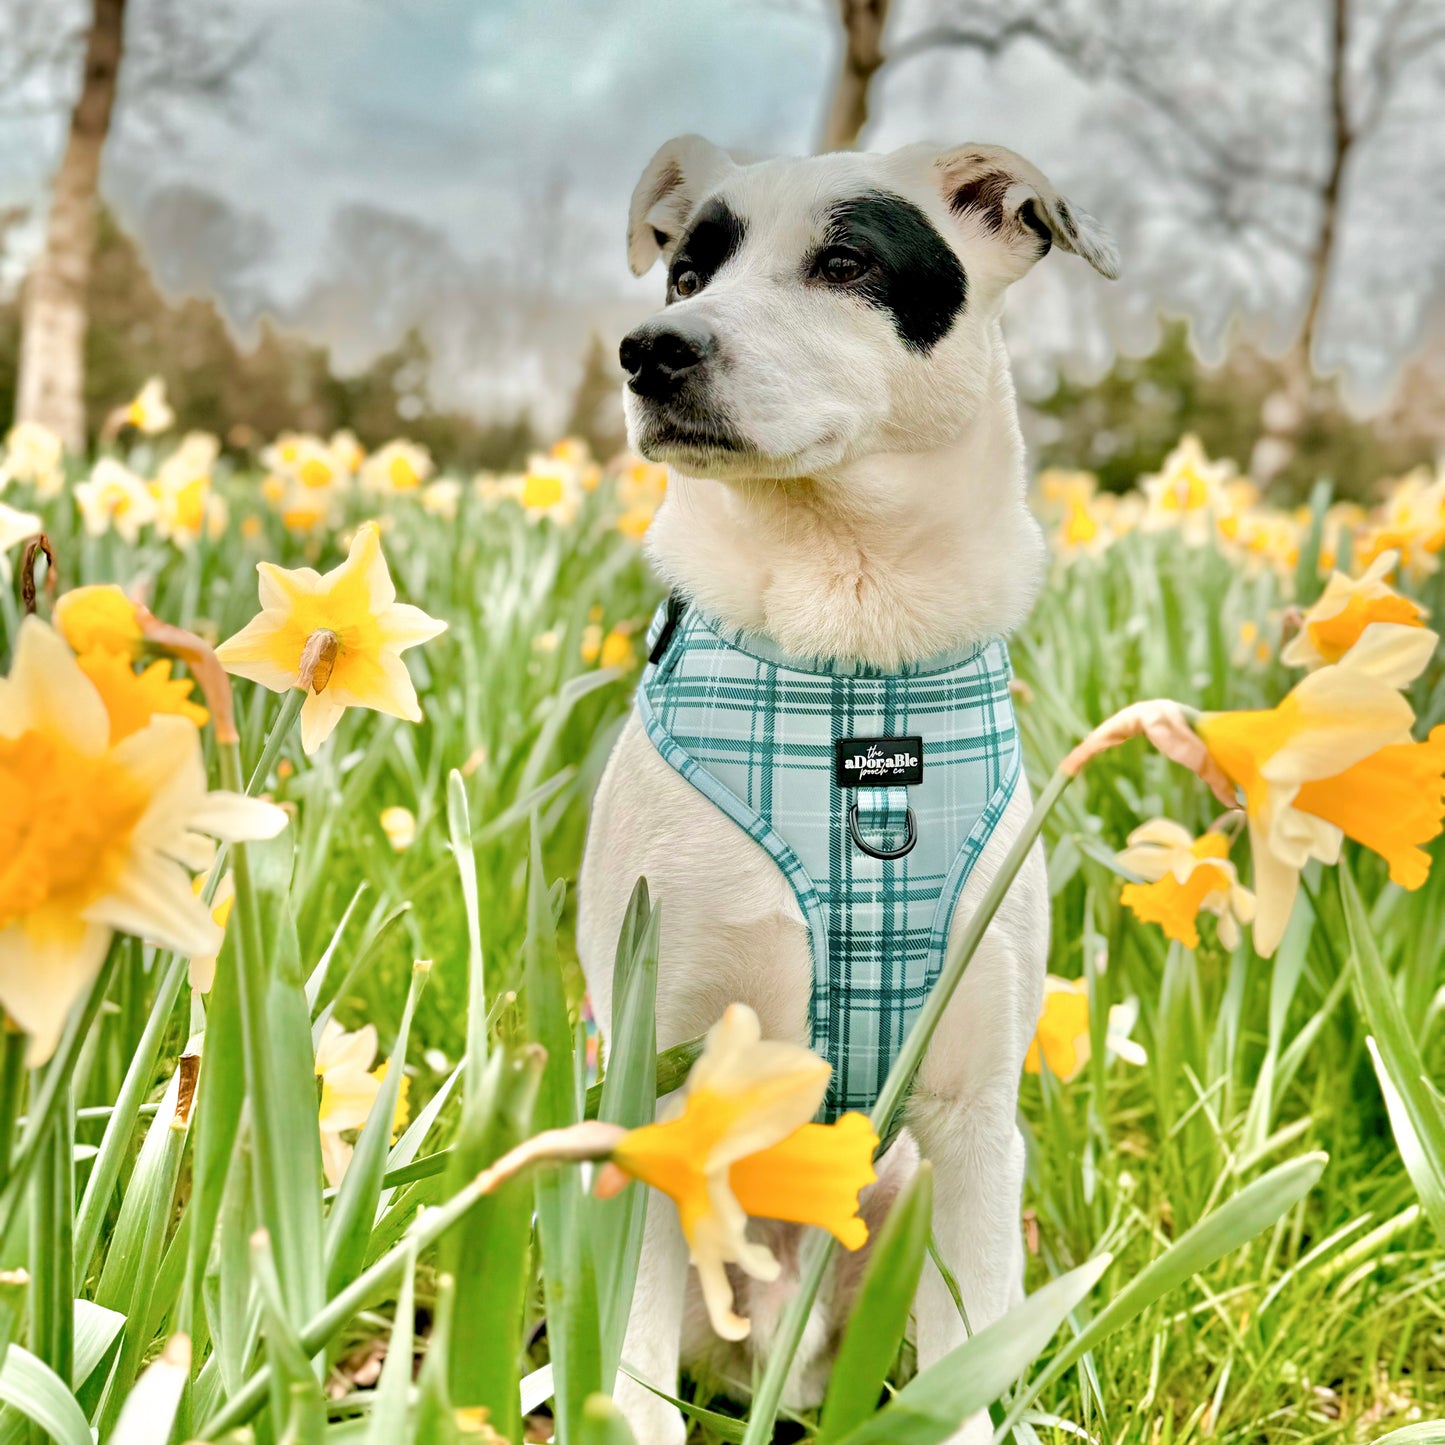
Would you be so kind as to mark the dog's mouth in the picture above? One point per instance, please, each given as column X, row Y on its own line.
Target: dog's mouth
column 667, row 435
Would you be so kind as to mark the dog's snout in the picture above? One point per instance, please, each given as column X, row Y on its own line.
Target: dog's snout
column 659, row 357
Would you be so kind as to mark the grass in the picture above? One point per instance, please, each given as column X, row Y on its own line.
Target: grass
column 1328, row 1324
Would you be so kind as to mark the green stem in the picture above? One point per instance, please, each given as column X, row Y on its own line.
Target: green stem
column 364, row 1290
column 54, row 1086
column 290, row 710
column 819, row 1246
column 12, row 1090
column 52, row 1313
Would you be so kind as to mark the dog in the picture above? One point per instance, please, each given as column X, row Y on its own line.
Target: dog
column 828, row 385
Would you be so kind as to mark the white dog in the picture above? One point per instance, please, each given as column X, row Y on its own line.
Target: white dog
column 829, row 387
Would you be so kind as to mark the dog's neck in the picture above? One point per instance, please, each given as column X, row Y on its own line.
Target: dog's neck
column 895, row 559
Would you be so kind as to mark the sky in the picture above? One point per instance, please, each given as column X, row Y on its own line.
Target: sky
column 514, row 130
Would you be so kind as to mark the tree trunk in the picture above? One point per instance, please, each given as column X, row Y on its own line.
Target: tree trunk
column 51, row 384
column 863, row 22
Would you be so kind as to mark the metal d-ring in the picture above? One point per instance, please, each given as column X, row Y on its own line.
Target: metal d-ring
column 883, row 853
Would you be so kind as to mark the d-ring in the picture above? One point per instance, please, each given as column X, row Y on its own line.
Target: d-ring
column 883, row 853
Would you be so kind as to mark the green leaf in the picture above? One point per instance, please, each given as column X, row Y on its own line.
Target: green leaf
column 932, row 1406
column 389, row 1410
column 460, row 832
column 629, row 1097
column 1416, row 1116
column 1234, row 1223
column 295, row 1391
column 1426, row 1432
column 151, row 1407
column 353, row 1213
column 602, row 1423
column 880, row 1315
column 35, row 1390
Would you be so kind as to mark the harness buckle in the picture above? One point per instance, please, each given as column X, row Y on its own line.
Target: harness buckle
column 884, row 853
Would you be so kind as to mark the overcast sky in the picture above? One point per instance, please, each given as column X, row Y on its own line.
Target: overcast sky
column 517, row 128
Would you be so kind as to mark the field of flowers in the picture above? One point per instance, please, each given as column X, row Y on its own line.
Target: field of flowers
column 265, row 1103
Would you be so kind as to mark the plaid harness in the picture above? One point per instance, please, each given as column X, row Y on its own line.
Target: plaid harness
column 874, row 792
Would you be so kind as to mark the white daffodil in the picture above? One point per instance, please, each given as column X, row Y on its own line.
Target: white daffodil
column 115, row 498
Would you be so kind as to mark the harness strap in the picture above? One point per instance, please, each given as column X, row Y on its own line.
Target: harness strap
column 881, row 822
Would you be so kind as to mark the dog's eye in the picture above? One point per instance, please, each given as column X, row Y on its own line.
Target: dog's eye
column 840, row 265
column 686, row 283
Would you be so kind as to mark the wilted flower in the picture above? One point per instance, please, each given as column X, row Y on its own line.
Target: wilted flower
column 1062, row 1039
column 33, row 454
column 16, row 526
column 356, row 604
column 349, row 1086
column 1184, row 876
column 1187, row 492
column 114, row 497
column 400, row 466
column 95, row 838
column 1333, row 625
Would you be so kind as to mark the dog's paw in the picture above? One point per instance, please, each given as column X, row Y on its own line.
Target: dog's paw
column 653, row 1421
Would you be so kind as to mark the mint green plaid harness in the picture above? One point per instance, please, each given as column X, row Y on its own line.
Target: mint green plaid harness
column 873, row 791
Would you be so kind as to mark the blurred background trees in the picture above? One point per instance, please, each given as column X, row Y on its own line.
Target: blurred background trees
column 1268, row 169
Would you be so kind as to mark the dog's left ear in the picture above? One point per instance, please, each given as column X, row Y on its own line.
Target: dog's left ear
column 1012, row 200
column 681, row 173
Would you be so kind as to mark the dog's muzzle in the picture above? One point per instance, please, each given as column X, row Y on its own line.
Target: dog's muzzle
column 662, row 358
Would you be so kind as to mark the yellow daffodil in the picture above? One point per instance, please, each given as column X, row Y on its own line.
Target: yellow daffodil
column 347, row 452
column 1184, row 876
column 356, row 603
column 186, row 506
column 617, row 649
column 94, row 837
column 1062, row 1039
column 635, row 521
column 114, row 498
column 641, row 487
column 1084, row 530
column 399, row 825
column 1335, row 759
column 16, row 526
column 1060, row 489
column 1411, row 522
column 591, row 649
column 739, row 1141
column 149, row 412
column 99, row 618
column 399, row 466
column 1333, row 625
column 133, row 698
column 1188, row 492
column 33, row 454
column 550, row 489
column 349, row 1086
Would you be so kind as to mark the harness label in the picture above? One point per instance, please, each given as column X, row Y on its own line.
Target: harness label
column 864, row 762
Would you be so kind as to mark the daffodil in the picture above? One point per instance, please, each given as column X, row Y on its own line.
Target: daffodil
column 114, row 498
column 1333, row 625
column 1060, row 489
column 33, row 454
column 1084, row 530
column 739, row 1141
column 347, row 452
column 617, row 649
column 1335, row 759
column 641, row 486
column 442, row 498
column 573, row 452
column 550, row 489
column 149, row 412
column 99, row 618
column 349, row 1086
column 1187, row 492
column 1411, row 521
column 16, row 526
column 186, row 505
column 133, row 698
column 399, row 825
column 355, row 604
column 1184, row 876
column 1062, row 1039
column 399, row 466
column 95, row 838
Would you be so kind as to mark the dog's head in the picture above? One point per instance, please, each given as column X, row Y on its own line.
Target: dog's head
column 824, row 309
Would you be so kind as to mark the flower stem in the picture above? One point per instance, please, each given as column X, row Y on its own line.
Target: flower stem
column 12, row 1089
column 290, row 710
column 819, row 1246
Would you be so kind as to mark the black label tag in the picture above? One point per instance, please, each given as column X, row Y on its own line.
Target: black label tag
column 878, row 762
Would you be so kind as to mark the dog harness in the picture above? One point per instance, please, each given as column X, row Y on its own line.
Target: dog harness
column 873, row 791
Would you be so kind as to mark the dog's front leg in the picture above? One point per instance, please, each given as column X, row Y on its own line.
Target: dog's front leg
column 654, row 1328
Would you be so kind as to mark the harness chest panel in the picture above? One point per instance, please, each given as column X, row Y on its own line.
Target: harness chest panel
column 831, row 766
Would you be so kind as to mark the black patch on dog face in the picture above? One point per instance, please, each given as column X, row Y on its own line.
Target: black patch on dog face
column 713, row 238
column 910, row 272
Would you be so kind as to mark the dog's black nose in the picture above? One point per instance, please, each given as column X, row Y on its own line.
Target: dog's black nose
column 659, row 356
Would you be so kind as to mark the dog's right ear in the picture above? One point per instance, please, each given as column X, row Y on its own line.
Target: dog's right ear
column 676, row 178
